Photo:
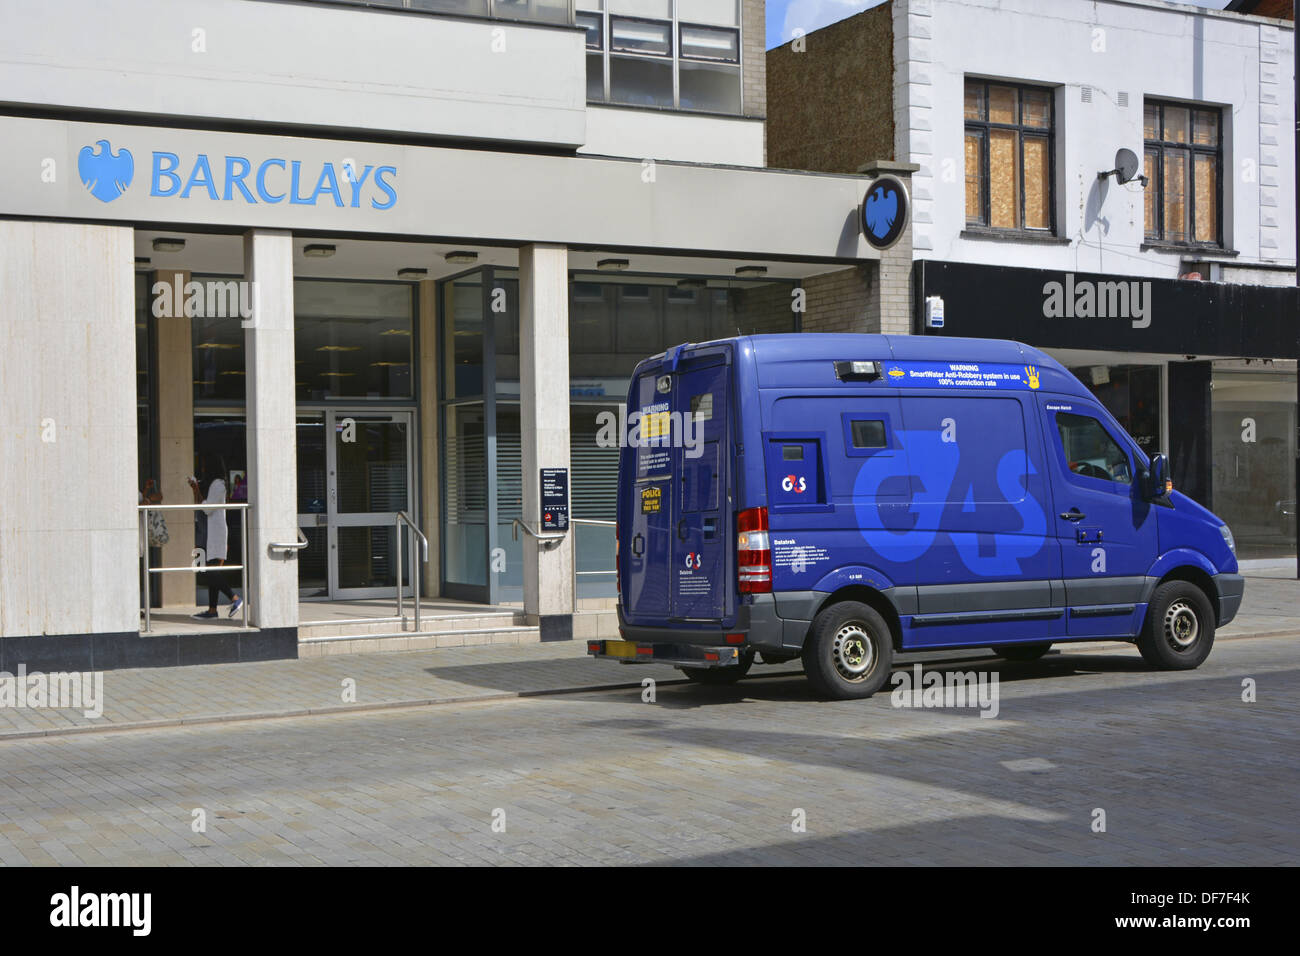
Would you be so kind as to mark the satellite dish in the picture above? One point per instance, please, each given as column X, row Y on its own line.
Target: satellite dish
column 1126, row 168
column 1126, row 165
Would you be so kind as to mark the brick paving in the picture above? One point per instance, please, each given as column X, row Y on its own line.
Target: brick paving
column 162, row 696
column 1186, row 772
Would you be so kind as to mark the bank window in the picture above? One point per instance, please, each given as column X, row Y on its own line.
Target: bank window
column 1009, row 157
column 640, row 53
column 1183, row 158
column 1090, row 451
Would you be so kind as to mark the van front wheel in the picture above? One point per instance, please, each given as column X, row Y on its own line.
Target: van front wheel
column 1179, row 628
column 848, row 654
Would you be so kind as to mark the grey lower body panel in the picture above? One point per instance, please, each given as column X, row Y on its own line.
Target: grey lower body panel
column 1232, row 588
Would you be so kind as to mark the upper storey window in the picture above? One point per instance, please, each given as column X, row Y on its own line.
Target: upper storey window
column 670, row 54
column 1184, row 156
column 1009, row 134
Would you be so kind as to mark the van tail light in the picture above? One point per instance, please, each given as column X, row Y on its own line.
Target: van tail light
column 618, row 575
column 753, row 552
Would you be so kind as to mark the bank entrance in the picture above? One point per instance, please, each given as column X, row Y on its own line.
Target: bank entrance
column 355, row 474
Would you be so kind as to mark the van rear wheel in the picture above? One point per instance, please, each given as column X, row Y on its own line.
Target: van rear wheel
column 848, row 654
column 1022, row 652
column 1178, row 632
column 720, row 675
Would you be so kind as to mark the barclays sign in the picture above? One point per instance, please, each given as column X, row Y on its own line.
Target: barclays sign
column 108, row 174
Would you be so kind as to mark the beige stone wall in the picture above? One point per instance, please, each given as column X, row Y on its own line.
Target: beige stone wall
column 830, row 107
column 69, row 531
column 753, row 57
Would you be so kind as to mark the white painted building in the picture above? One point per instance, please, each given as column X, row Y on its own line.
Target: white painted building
column 1172, row 296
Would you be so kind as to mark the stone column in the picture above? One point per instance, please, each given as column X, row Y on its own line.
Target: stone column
column 544, row 427
column 175, row 396
column 69, row 529
column 272, row 439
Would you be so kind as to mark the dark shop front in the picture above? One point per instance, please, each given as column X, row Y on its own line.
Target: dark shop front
column 1203, row 370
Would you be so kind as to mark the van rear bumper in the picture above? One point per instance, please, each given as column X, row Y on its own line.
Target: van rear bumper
column 759, row 624
column 1231, row 588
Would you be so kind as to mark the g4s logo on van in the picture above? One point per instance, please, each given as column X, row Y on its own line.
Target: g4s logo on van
column 694, row 560
column 794, row 483
column 902, row 525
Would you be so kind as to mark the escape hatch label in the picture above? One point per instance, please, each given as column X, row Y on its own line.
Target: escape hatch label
column 555, row 499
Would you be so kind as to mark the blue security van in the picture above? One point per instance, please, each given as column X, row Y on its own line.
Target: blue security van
column 839, row 498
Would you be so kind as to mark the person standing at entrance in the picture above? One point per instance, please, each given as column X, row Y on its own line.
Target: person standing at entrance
column 218, row 537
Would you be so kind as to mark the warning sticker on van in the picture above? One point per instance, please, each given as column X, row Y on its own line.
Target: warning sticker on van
column 980, row 375
column 652, row 500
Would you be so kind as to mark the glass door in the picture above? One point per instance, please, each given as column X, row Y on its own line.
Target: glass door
column 355, row 472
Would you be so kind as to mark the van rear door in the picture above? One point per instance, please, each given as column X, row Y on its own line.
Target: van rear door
column 675, row 527
column 645, row 503
column 701, row 530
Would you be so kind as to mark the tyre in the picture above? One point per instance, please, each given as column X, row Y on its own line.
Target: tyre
column 849, row 651
column 1179, row 628
column 720, row 675
column 1022, row 652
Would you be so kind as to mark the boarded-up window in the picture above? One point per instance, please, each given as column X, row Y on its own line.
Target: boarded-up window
column 1183, row 163
column 1008, row 157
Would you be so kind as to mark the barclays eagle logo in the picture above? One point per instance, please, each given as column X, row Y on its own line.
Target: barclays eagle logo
column 105, row 173
column 882, row 210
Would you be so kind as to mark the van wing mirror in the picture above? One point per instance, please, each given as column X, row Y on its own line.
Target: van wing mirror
column 1159, row 484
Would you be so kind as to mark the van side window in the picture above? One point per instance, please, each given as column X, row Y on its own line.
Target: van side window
column 869, row 433
column 1090, row 451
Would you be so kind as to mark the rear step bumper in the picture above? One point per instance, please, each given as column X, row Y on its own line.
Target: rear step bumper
column 678, row 655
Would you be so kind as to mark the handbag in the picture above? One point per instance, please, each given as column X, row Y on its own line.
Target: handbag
column 158, row 535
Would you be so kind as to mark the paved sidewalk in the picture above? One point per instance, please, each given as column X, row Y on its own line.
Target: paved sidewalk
column 216, row 692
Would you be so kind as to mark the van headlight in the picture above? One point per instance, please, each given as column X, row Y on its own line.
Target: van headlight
column 1227, row 538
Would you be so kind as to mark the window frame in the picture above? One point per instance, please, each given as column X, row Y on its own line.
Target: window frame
column 1191, row 150
column 984, row 127
column 683, row 25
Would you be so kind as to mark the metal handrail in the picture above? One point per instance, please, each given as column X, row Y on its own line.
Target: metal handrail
column 242, row 567
column 402, row 516
column 302, row 543
column 546, row 537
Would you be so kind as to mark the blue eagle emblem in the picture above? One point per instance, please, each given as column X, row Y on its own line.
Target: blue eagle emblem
column 105, row 173
column 882, row 210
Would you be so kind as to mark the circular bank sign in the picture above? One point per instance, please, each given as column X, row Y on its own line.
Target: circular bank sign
column 884, row 212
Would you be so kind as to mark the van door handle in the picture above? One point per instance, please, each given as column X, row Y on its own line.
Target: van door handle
column 638, row 545
column 1074, row 514
column 681, row 530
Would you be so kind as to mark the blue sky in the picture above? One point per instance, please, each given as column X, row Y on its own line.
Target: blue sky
column 783, row 16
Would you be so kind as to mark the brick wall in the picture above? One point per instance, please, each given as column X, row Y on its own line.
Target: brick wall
column 872, row 297
column 830, row 107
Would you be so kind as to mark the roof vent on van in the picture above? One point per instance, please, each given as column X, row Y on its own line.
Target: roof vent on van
column 857, row 371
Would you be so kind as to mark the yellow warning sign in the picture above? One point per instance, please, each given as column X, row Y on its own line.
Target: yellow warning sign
column 655, row 425
column 652, row 500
